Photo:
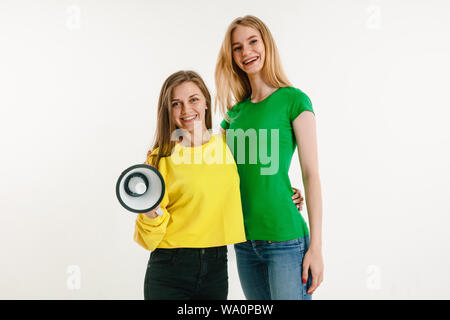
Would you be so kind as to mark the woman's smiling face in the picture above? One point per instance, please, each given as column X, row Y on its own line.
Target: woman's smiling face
column 188, row 106
column 248, row 49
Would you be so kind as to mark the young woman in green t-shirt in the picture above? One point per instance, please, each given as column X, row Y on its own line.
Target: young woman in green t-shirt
column 264, row 121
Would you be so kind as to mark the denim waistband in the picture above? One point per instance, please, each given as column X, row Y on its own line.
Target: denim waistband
column 261, row 242
column 268, row 242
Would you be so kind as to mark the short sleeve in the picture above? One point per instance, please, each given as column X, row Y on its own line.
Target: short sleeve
column 300, row 103
column 224, row 124
column 231, row 114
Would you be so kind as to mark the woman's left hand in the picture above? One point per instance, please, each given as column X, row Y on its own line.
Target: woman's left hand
column 297, row 199
column 313, row 260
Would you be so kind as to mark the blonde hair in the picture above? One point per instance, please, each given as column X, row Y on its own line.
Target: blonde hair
column 165, row 125
column 232, row 84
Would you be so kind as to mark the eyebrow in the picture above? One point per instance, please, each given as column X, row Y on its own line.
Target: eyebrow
column 247, row 39
column 192, row 95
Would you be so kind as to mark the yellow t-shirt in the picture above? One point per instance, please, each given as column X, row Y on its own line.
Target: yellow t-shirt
column 202, row 203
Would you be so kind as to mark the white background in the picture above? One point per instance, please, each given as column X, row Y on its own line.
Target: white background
column 79, row 83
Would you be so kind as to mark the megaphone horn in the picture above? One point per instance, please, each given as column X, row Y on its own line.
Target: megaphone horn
column 140, row 188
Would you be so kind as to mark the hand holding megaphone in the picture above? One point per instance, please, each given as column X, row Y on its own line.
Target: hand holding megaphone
column 140, row 189
column 154, row 213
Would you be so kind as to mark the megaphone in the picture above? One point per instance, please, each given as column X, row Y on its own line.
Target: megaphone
column 140, row 188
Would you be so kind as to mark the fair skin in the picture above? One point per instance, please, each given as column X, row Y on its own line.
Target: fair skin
column 188, row 113
column 249, row 54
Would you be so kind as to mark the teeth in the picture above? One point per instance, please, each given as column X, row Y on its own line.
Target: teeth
column 189, row 118
column 247, row 62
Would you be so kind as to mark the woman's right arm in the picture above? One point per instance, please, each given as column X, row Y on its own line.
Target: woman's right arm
column 152, row 214
column 150, row 228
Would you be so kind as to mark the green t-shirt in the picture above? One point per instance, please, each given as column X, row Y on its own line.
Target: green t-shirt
column 262, row 140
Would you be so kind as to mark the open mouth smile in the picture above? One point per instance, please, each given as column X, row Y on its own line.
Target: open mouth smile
column 189, row 118
column 250, row 61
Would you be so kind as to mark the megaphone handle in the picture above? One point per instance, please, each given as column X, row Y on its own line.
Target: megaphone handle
column 159, row 212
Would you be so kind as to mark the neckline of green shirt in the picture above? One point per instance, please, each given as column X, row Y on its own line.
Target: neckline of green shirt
column 263, row 100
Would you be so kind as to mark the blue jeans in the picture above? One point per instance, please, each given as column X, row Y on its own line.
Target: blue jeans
column 272, row 270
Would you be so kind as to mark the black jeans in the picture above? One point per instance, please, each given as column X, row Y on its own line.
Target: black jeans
column 187, row 273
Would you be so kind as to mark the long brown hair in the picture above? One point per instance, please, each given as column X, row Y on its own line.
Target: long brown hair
column 232, row 83
column 165, row 125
